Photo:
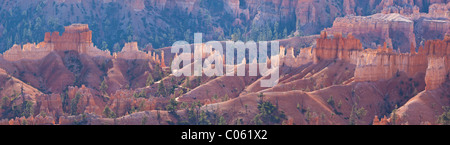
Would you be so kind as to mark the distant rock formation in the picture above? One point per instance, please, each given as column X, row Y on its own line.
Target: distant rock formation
column 131, row 51
column 439, row 10
column 305, row 56
column 421, row 5
column 77, row 37
column 398, row 29
column 27, row 51
column 394, row 29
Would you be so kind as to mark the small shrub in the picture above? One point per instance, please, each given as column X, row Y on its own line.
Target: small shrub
column 330, row 101
column 444, row 118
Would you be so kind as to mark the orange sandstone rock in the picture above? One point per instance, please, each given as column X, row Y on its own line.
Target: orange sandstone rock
column 436, row 72
column 337, row 47
column 76, row 37
column 50, row 104
column 163, row 63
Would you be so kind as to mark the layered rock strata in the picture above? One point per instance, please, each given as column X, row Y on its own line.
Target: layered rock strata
column 77, row 38
column 398, row 29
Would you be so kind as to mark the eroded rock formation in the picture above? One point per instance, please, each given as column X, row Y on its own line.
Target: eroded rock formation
column 305, row 56
column 27, row 51
column 50, row 104
column 337, row 47
column 77, row 37
column 394, row 29
column 397, row 29
column 131, row 51
column 384, row 63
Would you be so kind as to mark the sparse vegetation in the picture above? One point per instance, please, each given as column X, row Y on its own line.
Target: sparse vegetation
column 149, row 81
column 330, row 101
column 188, row 83
column 141, row 94
column 161, row 89
column 74, row 104
column 444, row 118
column 108, row 113
column 196, row 116
column 268, row 113
column 356, row 114
column 394, row 116
column 103, row 86
column 5, row 102
column 225, row 98
column 144, row 120
column 172, row 107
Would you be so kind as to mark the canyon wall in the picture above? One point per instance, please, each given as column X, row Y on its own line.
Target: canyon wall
column 376, row 65
column 438, row 62
column 432, row 25
column 384, row 63
column 394, row 29
column 429, row 29
column 437, row 72
column 398, row 29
